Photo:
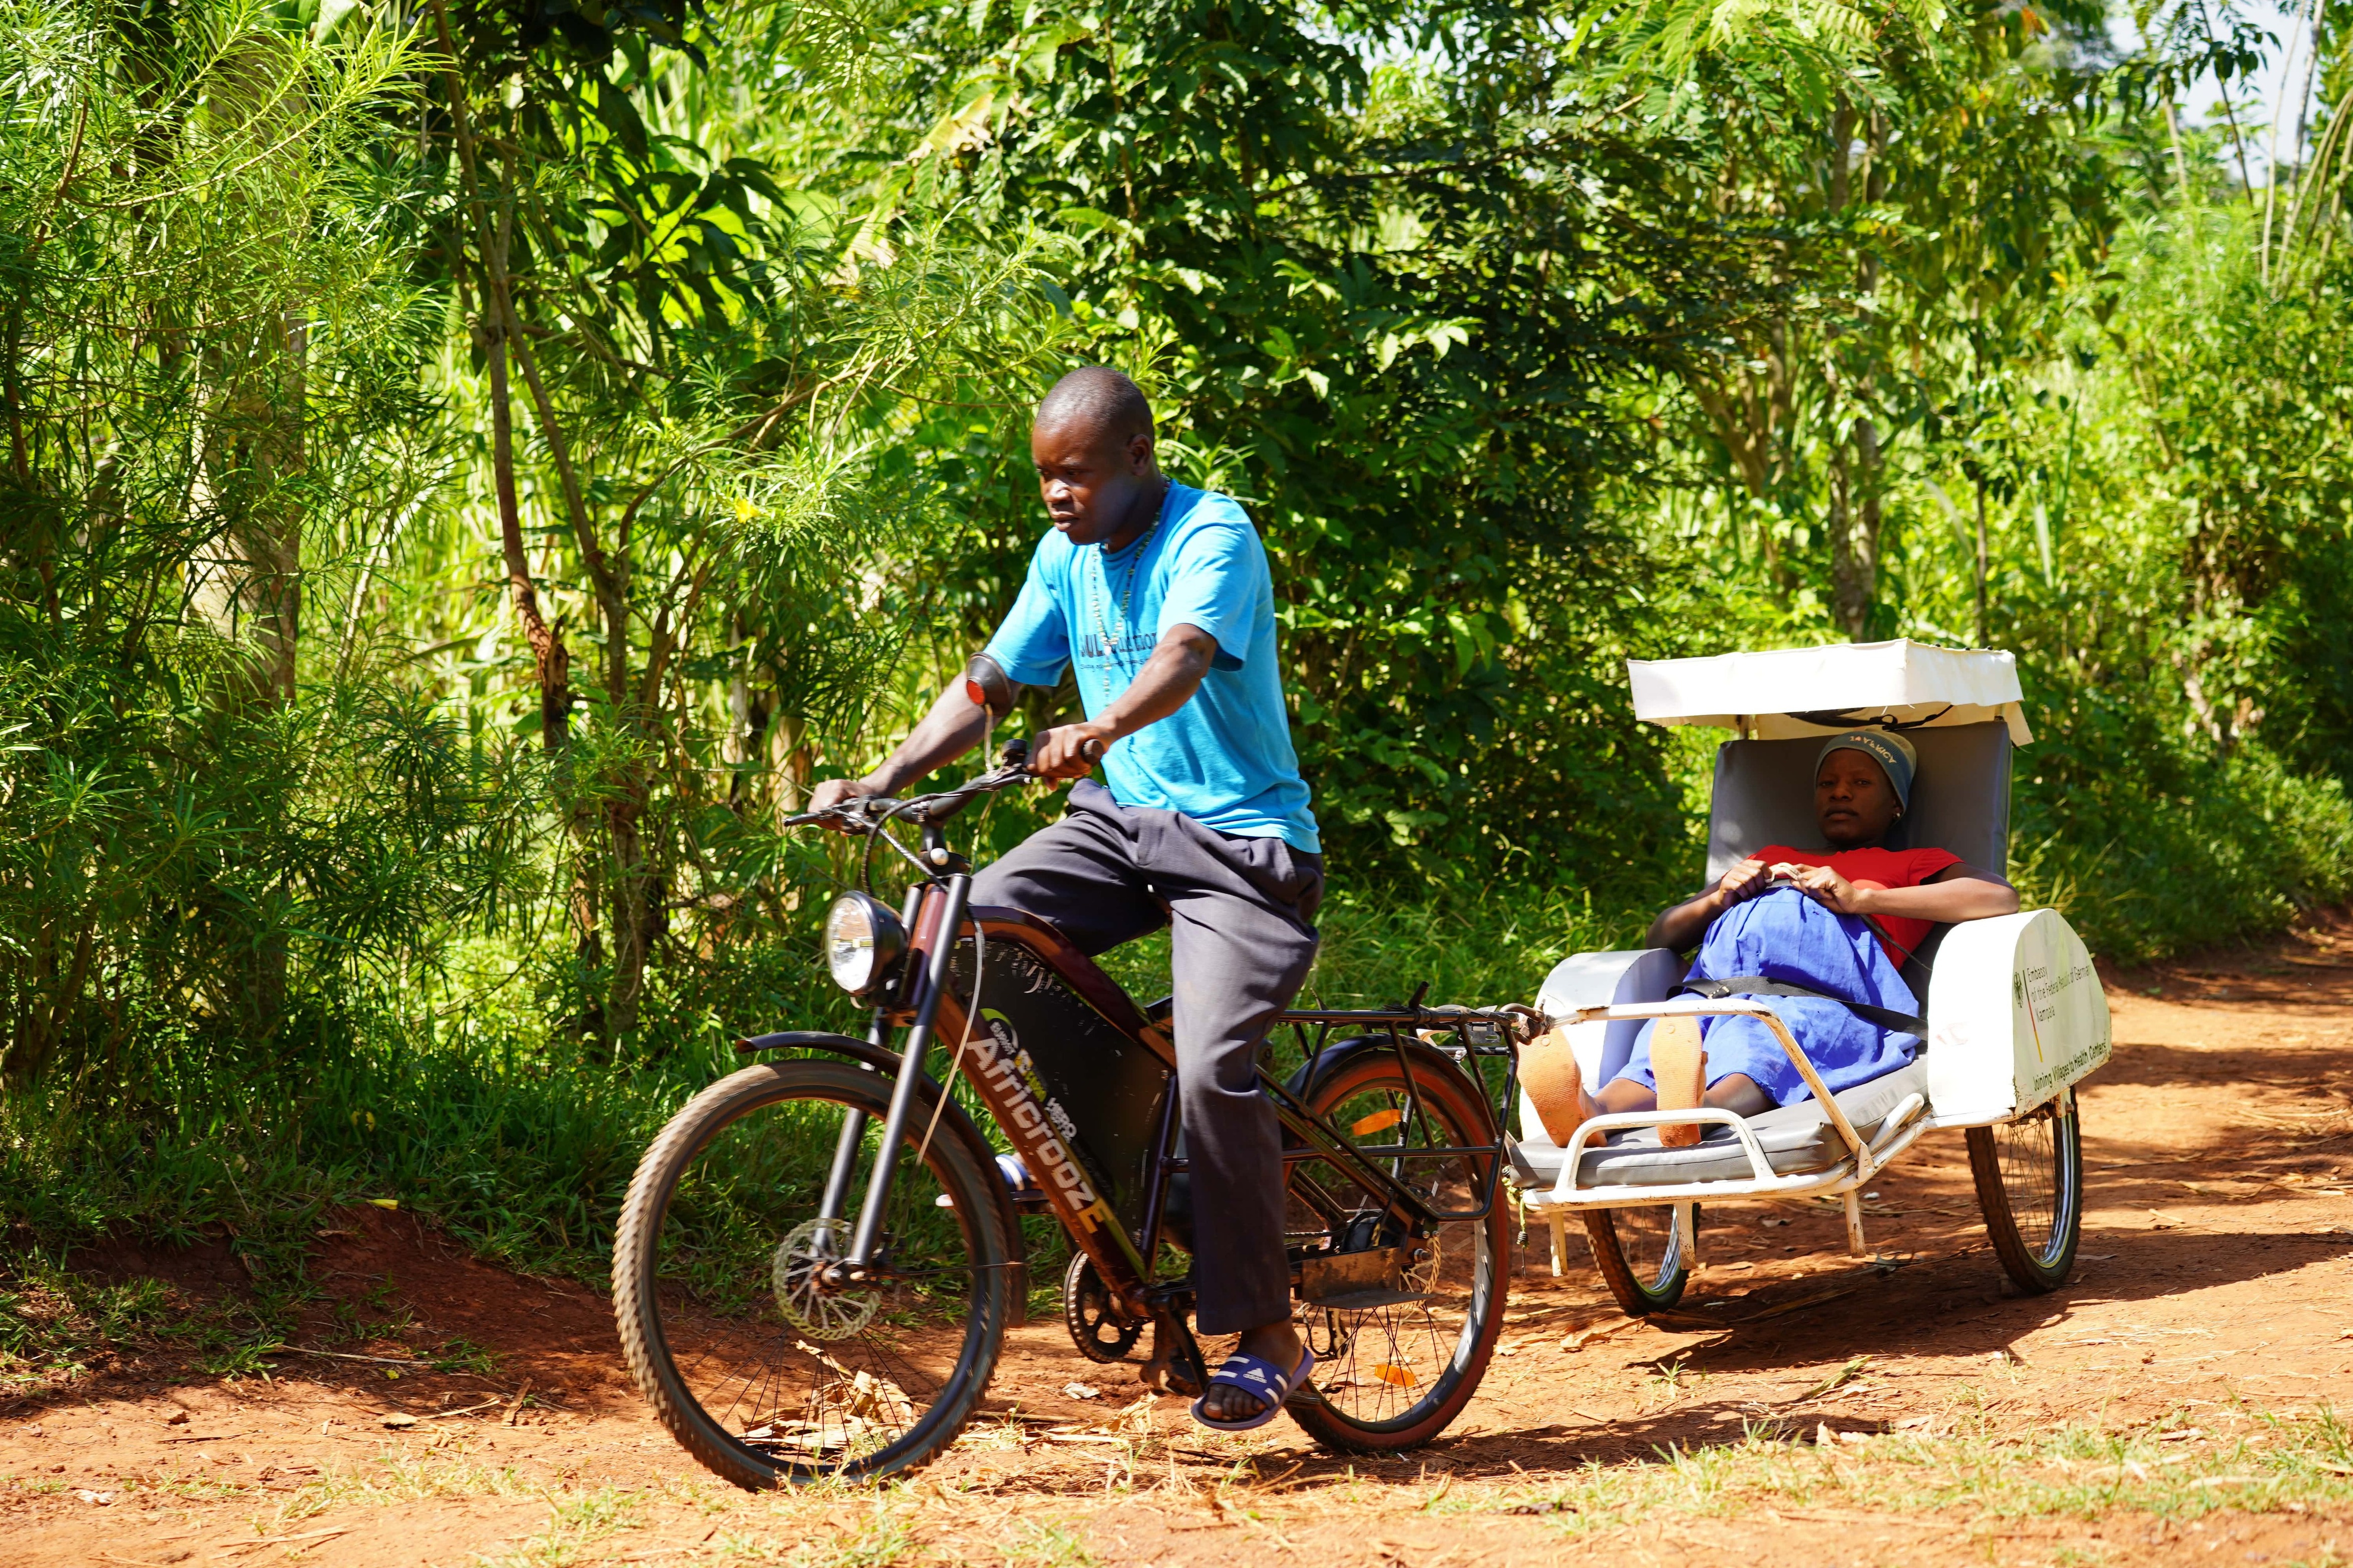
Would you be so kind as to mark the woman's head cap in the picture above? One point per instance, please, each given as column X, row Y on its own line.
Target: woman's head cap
column 1891, row 750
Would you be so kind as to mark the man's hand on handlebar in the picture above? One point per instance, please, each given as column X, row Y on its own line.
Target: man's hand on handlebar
column 836, row 791
column 1070, row 751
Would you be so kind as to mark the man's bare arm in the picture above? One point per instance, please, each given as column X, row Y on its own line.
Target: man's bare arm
column 954, row 726
column 1166, row 683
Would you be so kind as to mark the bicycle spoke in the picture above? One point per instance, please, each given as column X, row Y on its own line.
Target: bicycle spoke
column 1389, row 1364
column 2028, row 1156
column 2029, row 1175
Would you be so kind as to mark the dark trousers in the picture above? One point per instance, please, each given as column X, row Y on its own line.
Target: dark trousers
column 1240, row 913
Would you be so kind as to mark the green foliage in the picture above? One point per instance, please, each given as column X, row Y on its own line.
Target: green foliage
column 2190, row 786
column 463, row 486
column 713, row 366
column 522, row 1146
column 1377, row 304
column 2148, row 866
column 2246, row 438
column 210, row 397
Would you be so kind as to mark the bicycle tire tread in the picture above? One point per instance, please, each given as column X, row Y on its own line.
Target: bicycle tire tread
column 634, row 1261
column 1633, row 1298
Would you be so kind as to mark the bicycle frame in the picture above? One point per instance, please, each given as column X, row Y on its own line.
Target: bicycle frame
column 938, row 915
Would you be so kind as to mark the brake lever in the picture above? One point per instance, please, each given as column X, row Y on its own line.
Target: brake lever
column 857, row 811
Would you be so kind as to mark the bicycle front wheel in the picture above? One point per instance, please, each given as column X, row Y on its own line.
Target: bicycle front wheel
column 764, row 1370
column 1393, row 1376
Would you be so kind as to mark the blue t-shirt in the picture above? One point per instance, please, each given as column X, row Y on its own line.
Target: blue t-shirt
column 1224, row 759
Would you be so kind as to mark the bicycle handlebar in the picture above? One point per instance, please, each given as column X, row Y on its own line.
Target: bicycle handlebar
column 869, row 812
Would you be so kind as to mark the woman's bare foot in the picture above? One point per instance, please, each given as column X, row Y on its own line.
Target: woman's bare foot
column 1556, row 1085
column 1276, row 1342
column 1679, row 1067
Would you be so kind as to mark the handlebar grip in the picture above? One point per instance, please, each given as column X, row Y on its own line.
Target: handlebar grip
column 1092, row 751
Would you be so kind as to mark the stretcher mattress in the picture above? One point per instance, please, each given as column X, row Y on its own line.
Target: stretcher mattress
column 1797, row 1140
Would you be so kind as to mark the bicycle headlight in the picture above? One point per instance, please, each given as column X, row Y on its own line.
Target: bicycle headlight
column 863, row 940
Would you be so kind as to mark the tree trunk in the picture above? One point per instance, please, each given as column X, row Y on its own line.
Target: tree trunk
column 250, row 463
column 639, row 911
column 2181, row 164
column 252, row 446
column 550, row 661
column 1750, row 418
column 273, row 591
column 248, row 470
column 1984, row 636
column 1855, row 509
column 1855, row 531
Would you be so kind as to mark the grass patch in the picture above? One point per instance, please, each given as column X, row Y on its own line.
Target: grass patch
column 574, row 1524
column 881, row 1542
column 2168, row 1470
column 57, row 1326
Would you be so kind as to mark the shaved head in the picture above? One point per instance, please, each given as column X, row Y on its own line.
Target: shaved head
column 1099, row 400
column 1092, row 445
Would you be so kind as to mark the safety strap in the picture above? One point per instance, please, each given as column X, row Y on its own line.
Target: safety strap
column 1759, row 985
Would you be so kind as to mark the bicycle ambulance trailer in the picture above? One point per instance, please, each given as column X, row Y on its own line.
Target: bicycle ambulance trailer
column 2016, row 1014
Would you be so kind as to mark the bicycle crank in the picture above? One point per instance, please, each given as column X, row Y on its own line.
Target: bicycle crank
column 1087, row 1312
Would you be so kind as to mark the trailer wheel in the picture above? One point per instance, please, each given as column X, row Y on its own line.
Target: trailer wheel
column 2030, row 1179
column 1640, row 1256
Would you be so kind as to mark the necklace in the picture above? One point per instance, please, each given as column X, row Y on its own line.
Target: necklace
column 1111, row 647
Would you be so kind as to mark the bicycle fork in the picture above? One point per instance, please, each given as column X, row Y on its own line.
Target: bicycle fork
column 866, row 1237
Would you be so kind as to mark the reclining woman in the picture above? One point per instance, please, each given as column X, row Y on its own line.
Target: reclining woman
column 1839, row 920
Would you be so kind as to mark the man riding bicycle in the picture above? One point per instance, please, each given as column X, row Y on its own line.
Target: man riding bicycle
column 1160, row 595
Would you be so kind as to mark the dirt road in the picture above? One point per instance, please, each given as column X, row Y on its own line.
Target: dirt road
column 2177, row 1402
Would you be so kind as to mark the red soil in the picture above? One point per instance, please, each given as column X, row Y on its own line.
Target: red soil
column 2217, row 1279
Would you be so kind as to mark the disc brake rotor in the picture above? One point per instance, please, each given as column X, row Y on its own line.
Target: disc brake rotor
column 822, row 1315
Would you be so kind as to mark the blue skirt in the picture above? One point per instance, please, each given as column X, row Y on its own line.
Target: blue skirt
column 1785, row 935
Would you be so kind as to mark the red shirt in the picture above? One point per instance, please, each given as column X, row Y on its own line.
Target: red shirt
column 1880, row 868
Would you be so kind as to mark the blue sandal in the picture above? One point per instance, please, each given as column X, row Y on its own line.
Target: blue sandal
column 1259, row 1376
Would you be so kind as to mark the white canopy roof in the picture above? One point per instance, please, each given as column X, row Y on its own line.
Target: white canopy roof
column 1796, row 691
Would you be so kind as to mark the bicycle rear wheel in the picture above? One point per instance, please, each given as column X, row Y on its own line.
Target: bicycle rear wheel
column 1640, row 1256
column 765, row 1372
column 2030, row 1181
column 1394, row 1376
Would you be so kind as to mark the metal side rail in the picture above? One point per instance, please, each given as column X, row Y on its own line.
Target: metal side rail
column 1565, row 1193
column 1864, row 1160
